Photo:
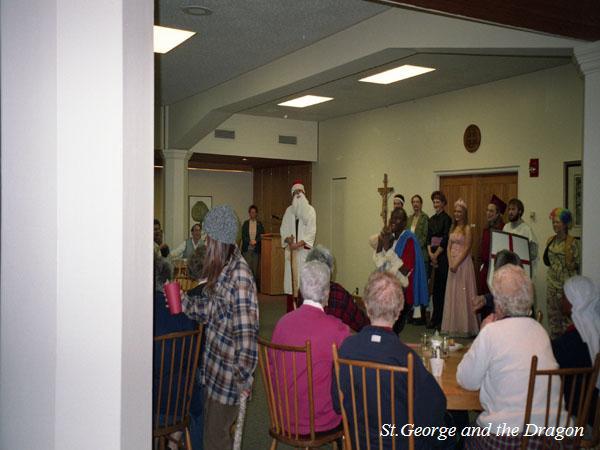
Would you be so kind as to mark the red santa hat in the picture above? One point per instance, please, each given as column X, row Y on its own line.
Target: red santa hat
column 500, row 205
column 297, row 185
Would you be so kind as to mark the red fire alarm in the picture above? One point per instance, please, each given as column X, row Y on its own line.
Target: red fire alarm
column 534, row 167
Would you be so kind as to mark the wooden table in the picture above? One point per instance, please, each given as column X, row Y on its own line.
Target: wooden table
column 457, row 397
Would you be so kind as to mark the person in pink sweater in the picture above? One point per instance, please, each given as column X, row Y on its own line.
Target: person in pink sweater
column 311, row 323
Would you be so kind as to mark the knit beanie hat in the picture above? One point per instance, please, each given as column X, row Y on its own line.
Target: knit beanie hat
column 221, row 224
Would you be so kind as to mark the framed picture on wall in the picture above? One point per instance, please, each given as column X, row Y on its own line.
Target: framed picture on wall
column 198, row 206
column 573, row 193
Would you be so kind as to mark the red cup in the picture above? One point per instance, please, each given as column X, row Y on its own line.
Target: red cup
column 173, row 293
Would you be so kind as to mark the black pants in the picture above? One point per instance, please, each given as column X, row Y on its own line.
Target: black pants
column 406, row 314
column 439, row 290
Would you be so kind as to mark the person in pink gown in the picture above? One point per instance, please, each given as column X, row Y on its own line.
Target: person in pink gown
column 459, row 318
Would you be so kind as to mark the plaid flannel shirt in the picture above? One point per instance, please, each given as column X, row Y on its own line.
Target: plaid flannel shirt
column 230, row 315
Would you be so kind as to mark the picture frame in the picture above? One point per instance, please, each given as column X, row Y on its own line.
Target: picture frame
column 192, row 200
column 573, row 192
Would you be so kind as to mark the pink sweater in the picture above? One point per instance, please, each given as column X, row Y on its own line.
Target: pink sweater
column 322, row 330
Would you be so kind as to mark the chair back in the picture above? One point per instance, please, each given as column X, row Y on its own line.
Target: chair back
column 284, row 377
column 186, row 283
column 366, row 406
column 574, row 401
column 176, row 362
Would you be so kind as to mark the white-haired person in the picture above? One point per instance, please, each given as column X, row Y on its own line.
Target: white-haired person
column 499, row 361
column 298, row 231
column 311, row 323
column 341, row 303
column 378, row 342
column 580, row 344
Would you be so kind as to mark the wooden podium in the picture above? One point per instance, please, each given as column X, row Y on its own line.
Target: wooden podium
column 271, row 264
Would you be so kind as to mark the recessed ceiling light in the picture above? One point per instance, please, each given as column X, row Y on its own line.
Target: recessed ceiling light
column 166, row 39
column 397, row 74
column 306, row 100
column 196, row 10
column 244, row 159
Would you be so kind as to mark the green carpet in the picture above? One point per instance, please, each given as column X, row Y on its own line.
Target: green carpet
column 256, row 434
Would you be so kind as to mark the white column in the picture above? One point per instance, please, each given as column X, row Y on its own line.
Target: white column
column 76, row 239
column 588, row 58
column 176, row 192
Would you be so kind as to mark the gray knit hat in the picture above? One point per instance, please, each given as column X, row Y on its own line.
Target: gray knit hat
column 221, row 224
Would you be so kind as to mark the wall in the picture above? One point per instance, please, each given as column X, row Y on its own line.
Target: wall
column 258, row 136
column 538, row 115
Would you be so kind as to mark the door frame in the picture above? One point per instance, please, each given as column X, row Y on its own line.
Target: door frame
column 483, row 171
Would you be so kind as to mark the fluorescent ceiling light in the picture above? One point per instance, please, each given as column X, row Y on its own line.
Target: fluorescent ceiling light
column 397, row 74
column 306, row 100
column 166, row 39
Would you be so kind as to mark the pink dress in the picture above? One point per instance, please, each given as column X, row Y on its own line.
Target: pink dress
column 459, row 318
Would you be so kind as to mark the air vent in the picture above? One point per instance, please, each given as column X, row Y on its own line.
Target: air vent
column 291, row 140
column 225, row 134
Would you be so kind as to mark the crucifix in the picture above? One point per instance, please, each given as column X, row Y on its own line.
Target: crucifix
column 385, row 191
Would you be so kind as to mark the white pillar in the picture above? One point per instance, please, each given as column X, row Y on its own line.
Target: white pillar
column 176, row 192
column 588, row 58
column 76, row 266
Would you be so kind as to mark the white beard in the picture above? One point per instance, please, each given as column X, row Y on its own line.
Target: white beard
column 301, row 207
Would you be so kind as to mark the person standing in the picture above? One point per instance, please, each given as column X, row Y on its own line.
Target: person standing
column 252, row 230
column 228, row 307
column 516, row 225
column 298, row 231
column 189, row 246
column 398, row 252
column 437, row 243
column 562, row 256
column 495, row 210
column 459, row 317
column 398, row 201
column 418, row 223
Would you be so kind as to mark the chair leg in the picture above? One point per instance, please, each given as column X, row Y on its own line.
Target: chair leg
column 273, row 444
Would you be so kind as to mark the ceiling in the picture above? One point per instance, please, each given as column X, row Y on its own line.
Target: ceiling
column 240, row 36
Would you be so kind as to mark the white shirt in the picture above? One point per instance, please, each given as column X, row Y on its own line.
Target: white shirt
column 523, row 229
column 313, row 304
column 498, row 363
column 178, row 252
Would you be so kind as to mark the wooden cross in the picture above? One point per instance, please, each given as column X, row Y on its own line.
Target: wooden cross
column 385, row 191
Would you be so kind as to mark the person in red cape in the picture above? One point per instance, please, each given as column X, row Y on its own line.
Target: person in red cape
column 494, row 212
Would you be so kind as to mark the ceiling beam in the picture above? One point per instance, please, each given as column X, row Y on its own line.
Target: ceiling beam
column 578, row 19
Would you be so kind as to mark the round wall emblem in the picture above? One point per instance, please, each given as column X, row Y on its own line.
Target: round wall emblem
column 472, row 138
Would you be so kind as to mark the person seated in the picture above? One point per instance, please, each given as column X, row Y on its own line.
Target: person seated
column 165, row 323
column 341, row 303
column 159, row 246
column 195, row 266
column 377, row 342
column 311, row 323
column 499, row 361
column 580, row 344
column 187, row 247
column 484, row 304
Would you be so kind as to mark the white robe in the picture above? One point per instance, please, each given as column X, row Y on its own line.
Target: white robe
column 523, row 229
column 307, row 230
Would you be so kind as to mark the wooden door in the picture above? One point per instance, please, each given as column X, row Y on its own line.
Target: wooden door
column 476, row 191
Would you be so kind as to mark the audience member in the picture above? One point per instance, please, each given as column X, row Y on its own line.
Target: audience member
column 562, row 256
column 495, row 210
column 228, row 307
column 341, row 303
column 252, row 229
column 159, row 246
column 418, row 222
column 580, row 344
column 187, row 247
column 437, row 243
column 459, row 318
column 499, row 361
column 310, row 323
column 398, row 251
column 377, row 342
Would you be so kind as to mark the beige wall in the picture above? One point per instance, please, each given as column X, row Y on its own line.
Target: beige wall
column 537, row 115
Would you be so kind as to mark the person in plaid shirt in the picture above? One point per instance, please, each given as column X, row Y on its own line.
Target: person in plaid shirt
column 341, row 303
column 228, row 307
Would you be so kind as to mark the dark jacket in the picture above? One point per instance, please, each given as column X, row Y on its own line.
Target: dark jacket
column 260, row 230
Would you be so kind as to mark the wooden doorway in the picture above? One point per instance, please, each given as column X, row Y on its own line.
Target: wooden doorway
column 476, row 190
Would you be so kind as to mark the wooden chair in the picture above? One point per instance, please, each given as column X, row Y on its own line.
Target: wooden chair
column 581, row 383
column 186, row 283
column 382, row 376
column 283, row 407
column 178, row 362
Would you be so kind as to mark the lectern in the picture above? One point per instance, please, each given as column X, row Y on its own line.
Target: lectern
column 271, row 264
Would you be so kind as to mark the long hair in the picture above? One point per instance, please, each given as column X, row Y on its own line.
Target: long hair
column 460, row 203
column 217, row 256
